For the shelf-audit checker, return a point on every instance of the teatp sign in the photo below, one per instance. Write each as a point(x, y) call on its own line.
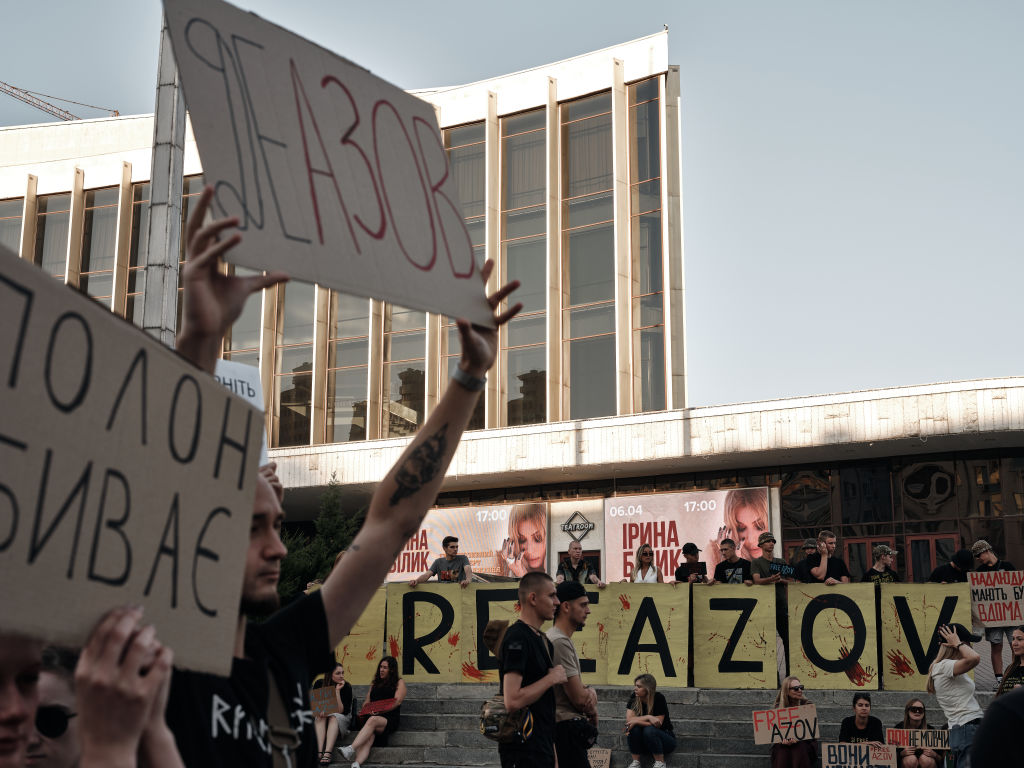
point(337, 177)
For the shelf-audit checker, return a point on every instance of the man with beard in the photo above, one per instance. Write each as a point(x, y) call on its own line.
point(260, 715)
point(575, 704)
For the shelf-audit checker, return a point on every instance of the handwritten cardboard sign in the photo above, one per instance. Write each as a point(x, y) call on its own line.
point(337, 177)
point(599, 757)
point(996, 597)
point(244, 381)
point(322, 700)
point(774, 726)
point(126, 476)
point(842, 755)
point(917, 739)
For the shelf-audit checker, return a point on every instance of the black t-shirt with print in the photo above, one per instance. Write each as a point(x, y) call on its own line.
point(851, 734)
point(888, 576)
point(733, 573)
point(660, 707)
point(528, 652)
point(223, 720)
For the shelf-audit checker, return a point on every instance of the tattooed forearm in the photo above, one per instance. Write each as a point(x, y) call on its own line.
point(421, 466)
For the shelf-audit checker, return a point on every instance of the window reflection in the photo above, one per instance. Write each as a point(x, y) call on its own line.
point(10, 224)
point(99, 243)
point(53, 218)
point(293, 368)
point(191, 187)
point(404, 373)
point(347, 357)
point(137, 253)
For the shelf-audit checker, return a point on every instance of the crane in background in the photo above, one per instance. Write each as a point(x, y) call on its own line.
point(30, 97)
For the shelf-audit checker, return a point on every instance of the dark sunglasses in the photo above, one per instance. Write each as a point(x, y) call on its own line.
point(796, 687)
point(916, 710)
point(52, 720)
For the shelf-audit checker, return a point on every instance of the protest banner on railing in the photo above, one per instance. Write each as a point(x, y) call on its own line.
point(734, 637)
point(834, 629)
point(842, 755)
point(361, 650)
point(337, 177)
point(775, 726)
point(126, 476)
point(648, 627)
point(931, 738)
point(996, 597)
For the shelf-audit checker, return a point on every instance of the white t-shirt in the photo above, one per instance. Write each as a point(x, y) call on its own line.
point(651, 577)
point(955, 693)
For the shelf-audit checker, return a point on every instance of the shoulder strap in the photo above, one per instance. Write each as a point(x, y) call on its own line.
point(283, 738)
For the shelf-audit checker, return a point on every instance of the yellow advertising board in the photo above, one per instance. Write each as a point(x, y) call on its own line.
point(832, 635)
point(647, 628)
point(734, 636)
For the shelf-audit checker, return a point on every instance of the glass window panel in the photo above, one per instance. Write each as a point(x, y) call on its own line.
point(477, 231)
point(523, 168)
point(645, 196)
point(590, 321)
point(10, 223)
point(806, 497)
point(646, 236)
point(652, 370)
point(465, 134)
point(106, 196)
point(526, 385)
point(405, 346)
point(297, 318)
point(645, 90)
point(295, 359)
point(52, 233)
point(587, 156)
point(527, 330)
point(249, 357)
point(346, 405)
point(592, 373)
point(345, 353)
point(651, 310)
point(525, 222)
point(476, 421)
point(526, 261)
point(140, 225)
point(293, 398)
point(351, 315)
point(133, 309)
point(583, 211)
point(245, 333)
point(401, 319)
point(403, 398)
point(527, 121)
point(99, 236)
point(467, 169)
point(99, 285)
point(591, 264)
point(645, 141)
point(589, 106)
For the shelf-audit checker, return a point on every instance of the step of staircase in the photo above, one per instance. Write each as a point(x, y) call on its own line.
point(440, 725)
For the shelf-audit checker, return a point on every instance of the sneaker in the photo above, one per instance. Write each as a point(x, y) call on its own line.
point(355, 765)
point(659, 764)
point(347, 752)
point(634, 764)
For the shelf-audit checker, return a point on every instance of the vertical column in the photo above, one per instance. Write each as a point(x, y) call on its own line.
point(374, 370)
point(160, 298)
point(495, 392)
point(620, 206)
point(672, 237)
point(122, 244)
point(29, 213)
point(554, 249)
point(76, 222)
point(268, 338)
point(434, 368)
point(321, 334)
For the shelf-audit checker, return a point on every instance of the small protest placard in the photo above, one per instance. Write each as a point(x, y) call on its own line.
point(996, 597)
point(599, 757)
point(917, 739)
point(785, 571)
point(842, 755)
point(126, 476)
point(244, 381)
point(323, 701)
point(337, 177)
point(774, 726)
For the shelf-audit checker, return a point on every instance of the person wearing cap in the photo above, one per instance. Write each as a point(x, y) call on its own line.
point(822, 567)
point(808, 548)
point(575, 703)
point(881, 572)
point(577, 568)
point(767, 569)
point(954, 689)
point(955, 571)
point(987, 561)
point(687, 570)
point(733, 569)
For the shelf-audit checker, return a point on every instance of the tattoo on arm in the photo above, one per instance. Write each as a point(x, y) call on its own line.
point(421, 466)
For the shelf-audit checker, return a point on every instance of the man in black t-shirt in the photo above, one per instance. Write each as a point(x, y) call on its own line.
point(987, 561)
point(881, 572)
point(228, 721)
point(733, 569)
point(528, 674)
point(955, 571)
point(822, 567)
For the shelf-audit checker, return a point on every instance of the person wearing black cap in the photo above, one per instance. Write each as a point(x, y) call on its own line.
point(688, 571)
point(575, 704)
point(955, 571)
point(954, 689)
point(881, 572)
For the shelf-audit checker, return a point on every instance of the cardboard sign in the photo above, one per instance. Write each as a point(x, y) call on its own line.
point(911, 615)
point(786, 571)
point(842, 755)
point(337, 177)
point(648, 628)
point(360, 651)
point(323, 700)
point(734, 637)
point(917, 739)
point(997, 597)
point(244, 381)
point(599, 757)
point(126, 476)
point(834, 630)
point(774, 726)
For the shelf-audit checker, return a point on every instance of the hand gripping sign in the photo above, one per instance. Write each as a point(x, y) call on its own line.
point(337, 177)
point(126, 476)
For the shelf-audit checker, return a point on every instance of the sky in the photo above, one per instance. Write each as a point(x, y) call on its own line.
point(853, 170)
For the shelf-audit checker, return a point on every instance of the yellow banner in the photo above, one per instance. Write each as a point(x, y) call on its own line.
point(832, 635)
point(734, 636)
point(647, 628)
point(483, 603)
point(425, 631)
point(911, 614)
point(360, 652)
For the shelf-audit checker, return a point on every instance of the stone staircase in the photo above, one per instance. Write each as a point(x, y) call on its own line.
point(440, 725)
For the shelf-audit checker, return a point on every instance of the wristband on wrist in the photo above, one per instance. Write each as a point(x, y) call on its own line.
point(961, 644)
point(472, 383)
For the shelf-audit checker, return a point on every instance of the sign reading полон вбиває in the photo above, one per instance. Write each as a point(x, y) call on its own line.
point(337, 177)
point(126, 476)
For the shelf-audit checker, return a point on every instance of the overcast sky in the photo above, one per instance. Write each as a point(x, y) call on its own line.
point(853, 173)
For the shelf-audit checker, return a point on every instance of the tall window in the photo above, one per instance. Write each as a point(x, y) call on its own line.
point(137, 253)
point(10, 223)
point(524, 255)
point(99, 241)
point(242, 343)
point(647, 310)
point(588, 253)
point(405, 374)
point(53, 219)
point(190, 188)
point(347, 374)
point(293, 366)
point(465, 145)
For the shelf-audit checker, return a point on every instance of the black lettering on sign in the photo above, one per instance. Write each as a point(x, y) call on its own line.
point(647, 613)
point(837, 602)
point(412, 646)
point(923, 658)
point(209, 554)
point(115, 525)
point(19, 345)
point(170, 527)
point(197, 421)
point(241, 447)
point(15, 514)
point(141, 365)
point(484, 597)
point(745, 606)
point(80, 491)
point(85, 344)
